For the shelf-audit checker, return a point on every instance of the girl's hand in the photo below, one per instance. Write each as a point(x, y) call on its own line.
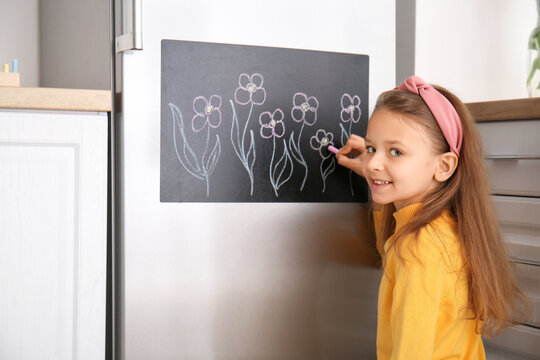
point(351, 155)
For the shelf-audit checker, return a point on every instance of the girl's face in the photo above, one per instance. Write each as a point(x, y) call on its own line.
point(400, 160)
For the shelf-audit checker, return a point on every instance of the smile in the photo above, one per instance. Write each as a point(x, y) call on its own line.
point(381, 182)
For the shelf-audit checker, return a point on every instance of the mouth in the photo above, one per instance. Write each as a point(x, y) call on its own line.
point(378, 183)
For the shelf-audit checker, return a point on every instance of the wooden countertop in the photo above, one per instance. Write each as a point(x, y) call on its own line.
point(54, 99)
point(515, 109)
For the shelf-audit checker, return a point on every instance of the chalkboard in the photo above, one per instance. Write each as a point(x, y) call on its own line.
point(252, 124)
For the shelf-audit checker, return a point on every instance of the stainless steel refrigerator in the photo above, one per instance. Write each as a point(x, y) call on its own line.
point(237, 280)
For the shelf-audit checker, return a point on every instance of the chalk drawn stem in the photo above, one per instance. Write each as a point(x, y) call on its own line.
point(245, 128)
point(303, 162)
point(272, 166)
point(239, 147)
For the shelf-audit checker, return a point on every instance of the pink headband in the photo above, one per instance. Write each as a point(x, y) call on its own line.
point(443, 111)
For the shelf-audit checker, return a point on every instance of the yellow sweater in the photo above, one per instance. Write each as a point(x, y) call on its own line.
point(422, 310)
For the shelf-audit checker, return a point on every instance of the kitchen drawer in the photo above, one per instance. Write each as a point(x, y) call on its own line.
point(521, 339)
point(514, 176)
point(517, 210)
point(510, 138)
point(519, 219)
point(528, 278)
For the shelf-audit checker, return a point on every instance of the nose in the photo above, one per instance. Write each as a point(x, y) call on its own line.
point(375, 162)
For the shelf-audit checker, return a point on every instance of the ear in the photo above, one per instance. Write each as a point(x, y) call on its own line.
point(446, 166)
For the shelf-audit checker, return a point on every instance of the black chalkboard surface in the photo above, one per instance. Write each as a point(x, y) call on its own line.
point(252, 124)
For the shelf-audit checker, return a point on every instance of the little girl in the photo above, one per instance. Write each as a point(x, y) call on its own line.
point(447, 279)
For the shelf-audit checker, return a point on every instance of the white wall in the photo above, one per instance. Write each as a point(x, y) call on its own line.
point(478, 49)
point(75, 45)
point(19, 32)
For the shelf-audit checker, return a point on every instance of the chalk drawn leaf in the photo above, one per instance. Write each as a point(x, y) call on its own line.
point(284, 167)
point(344, 135)
point(191, 159)
point(235, 131)
point(250, 157)
point(294, 150)
point(180, 141)
point(330, 167)
point(213, 157)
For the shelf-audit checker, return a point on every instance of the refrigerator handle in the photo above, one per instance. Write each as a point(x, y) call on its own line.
point(132, 21)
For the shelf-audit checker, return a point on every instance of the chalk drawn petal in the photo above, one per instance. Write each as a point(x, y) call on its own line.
point(266, 132)
point(346, 101)
point(313, 103)
point(278, 115)
point(242, 96)
point(310, 117)
point(257, 80)
point(355, 115)
point(297, 114)
point(345, 115)
point(320, 134)
point(324, 152)
point(299, 99)
point(265, 118)
point(259, 96)
point(330, 138)
point(356, 100)
point(243, 80)
point(314, 143)
point(198, 123)
point(199, 104)
point(279, 129)
point(215, 101)
point(214, 119)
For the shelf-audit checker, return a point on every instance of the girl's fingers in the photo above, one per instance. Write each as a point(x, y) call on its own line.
point(349, 155)
point(355, 164)
point(354, 146)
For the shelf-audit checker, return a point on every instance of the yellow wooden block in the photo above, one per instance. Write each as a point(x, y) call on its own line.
point(10, 79)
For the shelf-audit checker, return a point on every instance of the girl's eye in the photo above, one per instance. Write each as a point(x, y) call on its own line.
point(370, 149)
point(395, 152)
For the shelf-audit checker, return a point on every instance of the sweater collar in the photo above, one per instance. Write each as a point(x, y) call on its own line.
point(403, 215)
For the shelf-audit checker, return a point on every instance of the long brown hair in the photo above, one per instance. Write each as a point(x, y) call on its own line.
point(494, 297)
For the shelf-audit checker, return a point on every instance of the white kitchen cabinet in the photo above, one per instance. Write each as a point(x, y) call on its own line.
point(53, 234)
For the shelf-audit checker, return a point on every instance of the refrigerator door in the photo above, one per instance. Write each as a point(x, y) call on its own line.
point(242, 280)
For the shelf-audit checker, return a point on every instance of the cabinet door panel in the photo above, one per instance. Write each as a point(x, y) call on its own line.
point(52, 235)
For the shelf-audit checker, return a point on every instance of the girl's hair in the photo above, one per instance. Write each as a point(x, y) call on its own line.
point(494, 297)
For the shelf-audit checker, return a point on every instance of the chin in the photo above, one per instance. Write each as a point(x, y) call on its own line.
point(381, 201)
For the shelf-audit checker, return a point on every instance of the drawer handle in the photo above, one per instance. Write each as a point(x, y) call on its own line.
point(525, 262)
point(512, 157)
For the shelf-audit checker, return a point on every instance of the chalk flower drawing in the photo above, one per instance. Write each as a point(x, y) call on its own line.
point(304, 110)
point(350, 108)
point(272, 126)
point(250, 91)
point(350, 113)
point(320, 142)
point(206, 112)
point(204, 168)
